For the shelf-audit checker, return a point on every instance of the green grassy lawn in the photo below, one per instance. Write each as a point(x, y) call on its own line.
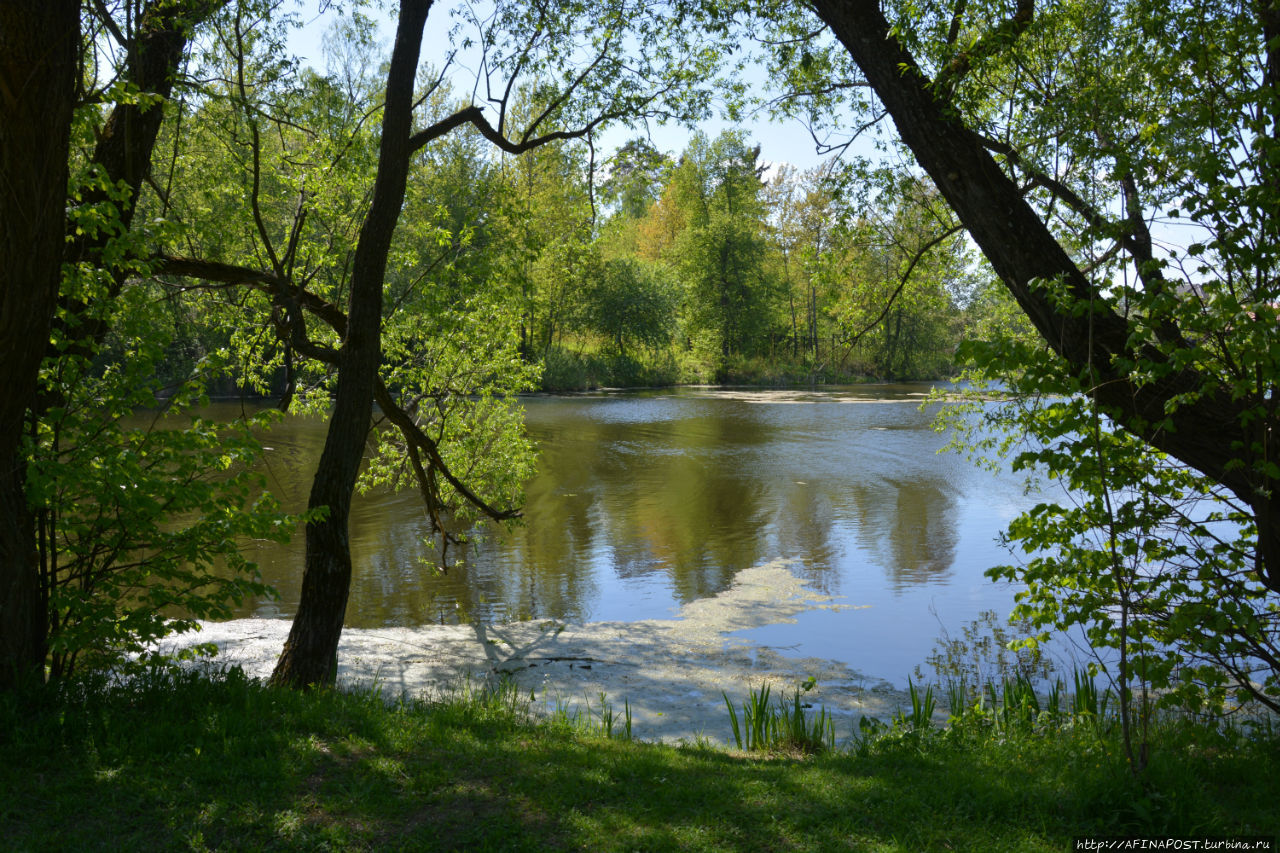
point(194, 764)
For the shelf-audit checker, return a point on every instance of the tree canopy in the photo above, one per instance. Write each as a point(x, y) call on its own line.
point(185, 205)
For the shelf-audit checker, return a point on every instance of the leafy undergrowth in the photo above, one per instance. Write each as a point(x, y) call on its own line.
point(185, 762)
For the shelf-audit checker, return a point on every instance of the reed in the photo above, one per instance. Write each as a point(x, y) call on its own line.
point(957, 697)
point(608, 719)
point(922, 707)
point(1087, 700)
point(781, 727)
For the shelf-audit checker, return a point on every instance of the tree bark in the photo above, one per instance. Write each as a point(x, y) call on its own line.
point(39, 77)
point(1187, 414)
point(310, 655)
point(127, 139)
point(39, 69)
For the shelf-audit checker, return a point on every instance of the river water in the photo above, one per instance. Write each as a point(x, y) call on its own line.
point(648, 500)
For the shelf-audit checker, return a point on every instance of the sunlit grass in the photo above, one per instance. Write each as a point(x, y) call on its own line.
point(188, 763)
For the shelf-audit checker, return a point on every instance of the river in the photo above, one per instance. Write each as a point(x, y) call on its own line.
point(646, 500)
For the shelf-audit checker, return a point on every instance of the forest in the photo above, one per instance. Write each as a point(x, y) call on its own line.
point(649, 267)
point(1075, 201)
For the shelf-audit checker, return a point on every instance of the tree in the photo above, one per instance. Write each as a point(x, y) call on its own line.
point(1188, 121)
point(901, 273)
point(315, 309)
point(548, 217)
point(788, 197)
point(720, 253)
point(636, 174)
point(39, 43)
point(324, 288)
point(1066, 136)
point(311, 651)
point(626, 300)
point(45, 92)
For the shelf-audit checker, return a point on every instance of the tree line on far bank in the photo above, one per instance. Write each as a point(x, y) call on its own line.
point(648, 268)
point(715, 265)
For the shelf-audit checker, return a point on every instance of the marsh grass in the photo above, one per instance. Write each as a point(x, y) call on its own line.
point(781, 727)
point(1013, 701)
point(602, 721)
point(175, 761)
point(922, 707)
point(607, 720)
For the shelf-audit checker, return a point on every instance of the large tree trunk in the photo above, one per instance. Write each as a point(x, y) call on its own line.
point(39, 68)
point(1184, 413)
point(310, 653)
point(39, 76)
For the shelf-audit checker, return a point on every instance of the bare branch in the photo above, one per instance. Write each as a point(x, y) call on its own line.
point(336, 319)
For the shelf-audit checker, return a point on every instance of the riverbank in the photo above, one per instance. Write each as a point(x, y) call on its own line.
point(225, 763)
point(671, 673)
point(586, 370)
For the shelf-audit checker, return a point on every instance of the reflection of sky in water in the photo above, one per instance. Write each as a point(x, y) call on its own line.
point(646, 500)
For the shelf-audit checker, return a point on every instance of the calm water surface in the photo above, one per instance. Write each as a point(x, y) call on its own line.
point(647, 500)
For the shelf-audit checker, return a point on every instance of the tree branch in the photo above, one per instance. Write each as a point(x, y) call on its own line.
point(337, 320)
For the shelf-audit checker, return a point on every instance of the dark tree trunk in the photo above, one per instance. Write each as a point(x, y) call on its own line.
point(1204, 425)
point(40, 43)
point(310, 655)
point(128, 137)
point(39, 69)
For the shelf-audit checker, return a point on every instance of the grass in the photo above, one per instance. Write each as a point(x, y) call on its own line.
point(182, 762)
point(781, 728)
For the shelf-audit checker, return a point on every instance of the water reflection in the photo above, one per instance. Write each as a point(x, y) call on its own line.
point(913, 527)
point(647, 500)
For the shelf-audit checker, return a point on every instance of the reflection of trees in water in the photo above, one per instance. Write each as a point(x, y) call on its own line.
point(806, 527)
point(923, 534)
point(910, 528)
point(691, 496)
point(653, 497)
point(673, 496)
point(645, 499)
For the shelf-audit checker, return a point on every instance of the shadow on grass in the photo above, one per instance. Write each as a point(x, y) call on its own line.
point(189, 764)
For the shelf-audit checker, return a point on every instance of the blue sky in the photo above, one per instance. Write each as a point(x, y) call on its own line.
point(780, 142)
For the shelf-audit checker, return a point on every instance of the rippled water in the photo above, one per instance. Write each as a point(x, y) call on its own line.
point(646, 500)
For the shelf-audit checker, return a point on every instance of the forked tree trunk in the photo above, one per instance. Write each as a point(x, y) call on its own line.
point(310, 655)
point(39, 51)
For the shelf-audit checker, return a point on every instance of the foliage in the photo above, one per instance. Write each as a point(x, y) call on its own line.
point(636, 173)
point(144, 506)
point(989, 648)
point(140, 507)
point(627, 301)
point(459, 369)
point(1153, 403)
point(546, 217)
point(901, 273)
point(1149, 557)
point(707, 260)
point(1070, 137)
point(729, 292)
